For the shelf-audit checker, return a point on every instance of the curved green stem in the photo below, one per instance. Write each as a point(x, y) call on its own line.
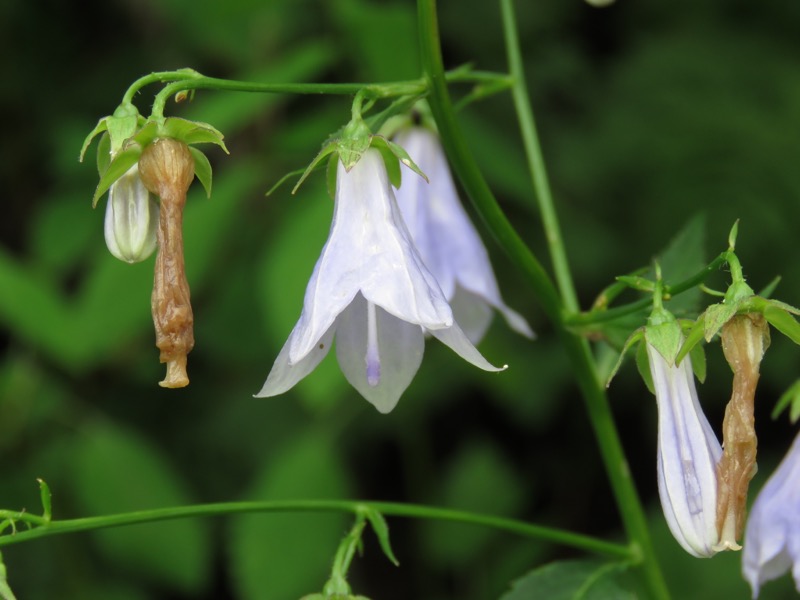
point(593, 391)
point(156, 77)
point(533, 152)
point(566, 538)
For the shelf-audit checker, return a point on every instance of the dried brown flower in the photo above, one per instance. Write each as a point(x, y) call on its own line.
point(167, 169)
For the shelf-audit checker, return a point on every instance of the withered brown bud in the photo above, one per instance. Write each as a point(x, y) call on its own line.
point(167, 169)
point(745, 338)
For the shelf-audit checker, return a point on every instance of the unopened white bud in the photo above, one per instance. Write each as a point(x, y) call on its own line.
point(131, 218)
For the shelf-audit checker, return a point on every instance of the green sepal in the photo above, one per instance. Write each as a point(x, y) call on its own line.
point(330, 175)
point(715, 317)
point(46, 496)
point(191, 132)
point(698, 356)
point(636, 336)
point(354, 142)
point(391, 161)
point(791, 398)
point(637, 283)
point(202, 169)
point(696, 333)
point(767, 290)
point(643, 366)
point(398, 153)
point(120, 127)
point(781, 320)
point(326, 150)
point(101, 127)
point(116, 169)
point(282, 180)
point(103, 154)
point(666, 338)
point(381, 530)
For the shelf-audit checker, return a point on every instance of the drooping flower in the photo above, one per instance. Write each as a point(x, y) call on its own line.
point(772, 536)
point(688, 452)
point(371, 290)
point(131, 218)
point(448, 241)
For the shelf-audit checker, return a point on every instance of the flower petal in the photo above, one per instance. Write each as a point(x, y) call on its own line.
point(688, 451)
point(400, 347)
point(460, 344)
point(772, 536)
point(368, 250)
point(285, 374)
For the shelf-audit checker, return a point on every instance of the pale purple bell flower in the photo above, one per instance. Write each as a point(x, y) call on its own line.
point(447, 240)
point(688, 453)
point(772, 535)
point(371, 291)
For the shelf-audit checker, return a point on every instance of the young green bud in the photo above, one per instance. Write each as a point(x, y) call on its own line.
point(131, 218)
point(167, 169)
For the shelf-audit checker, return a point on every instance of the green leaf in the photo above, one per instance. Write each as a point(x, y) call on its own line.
point(572, 580)
point(118, 167)
point(118, 471)
point(280, 556)
point(683, 257)
point(202, 169)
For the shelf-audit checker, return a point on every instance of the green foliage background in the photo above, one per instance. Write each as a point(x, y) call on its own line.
point(651, 115)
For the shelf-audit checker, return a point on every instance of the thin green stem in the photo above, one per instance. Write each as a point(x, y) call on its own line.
point(417, 511)
point(155, 78)
point(593, 317)
point(533, 152)
point(578, 350)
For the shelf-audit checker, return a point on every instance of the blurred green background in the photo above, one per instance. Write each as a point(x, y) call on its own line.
point(652, 116)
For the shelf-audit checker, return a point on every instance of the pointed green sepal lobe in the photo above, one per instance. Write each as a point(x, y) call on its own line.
point(643, 366)
point(698, 356)
point(695, 335)
point(191, 132)
point(330, 176)
point(101, 127)
point(381, 530)
point(715, 317)
point(116, 169)
point(636, 336)
point(47, 506)
point(781, 320)
point(326, 150)
point(284, 179)
point(790, 398)
point(103, 154)
point(202, 169)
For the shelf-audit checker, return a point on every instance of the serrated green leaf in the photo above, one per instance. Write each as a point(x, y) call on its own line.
point(783, 322)
point(117, 471)
point(572, 580)
point(118, 167)
point(202, 169)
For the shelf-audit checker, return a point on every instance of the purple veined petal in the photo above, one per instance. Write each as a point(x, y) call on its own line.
point(443, 232)
point(368, 250)
point(458, 342)
point(285, 374)
point(772, 535)
point(688, 452)
point(400, 347)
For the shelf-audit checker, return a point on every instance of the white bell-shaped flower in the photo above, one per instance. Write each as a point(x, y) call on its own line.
point(371, 290)
point(447, 240)
point(772, 536)
point(131, 218)
point(688, 453)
